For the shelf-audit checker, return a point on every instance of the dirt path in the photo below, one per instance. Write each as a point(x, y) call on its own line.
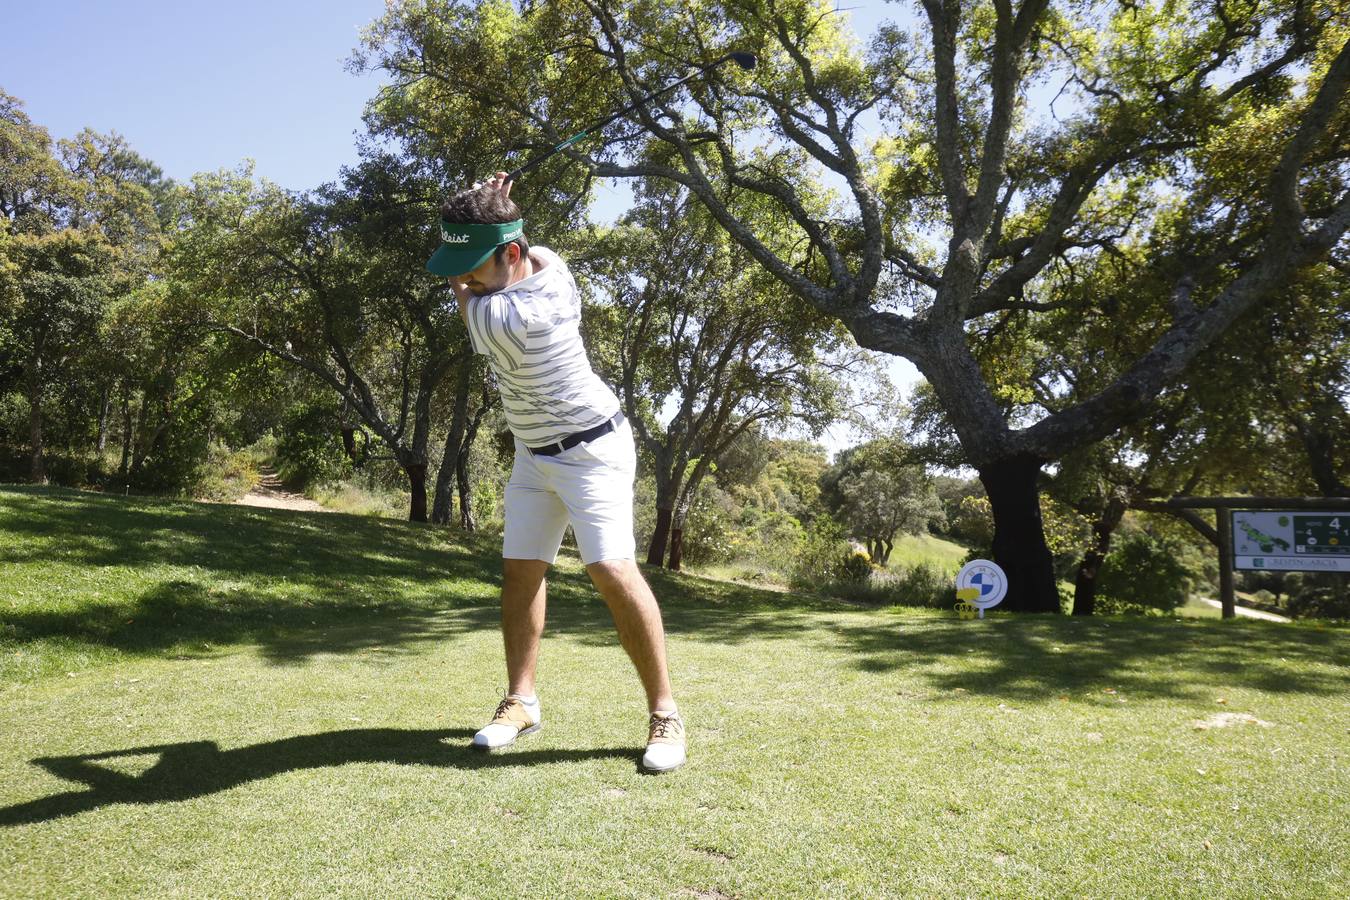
point(270, 493)
point(1247, 612)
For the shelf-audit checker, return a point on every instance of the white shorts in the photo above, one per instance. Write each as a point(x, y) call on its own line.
point(589, 485)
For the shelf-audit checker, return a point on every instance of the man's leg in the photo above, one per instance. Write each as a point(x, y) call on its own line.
point(523, 602)
point(522, 625)
point(638, 619)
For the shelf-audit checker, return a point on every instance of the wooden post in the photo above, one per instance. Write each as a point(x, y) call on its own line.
point(1224, 519)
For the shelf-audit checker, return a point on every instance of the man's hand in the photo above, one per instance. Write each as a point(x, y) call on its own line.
point(498, 182)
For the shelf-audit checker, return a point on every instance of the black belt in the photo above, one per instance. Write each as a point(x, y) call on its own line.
point(572, 440)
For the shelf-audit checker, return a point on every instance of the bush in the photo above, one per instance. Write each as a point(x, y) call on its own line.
point(1318, 595)
point(818, 553)
point(1142, 573)
point(920, 585)
point(855, 566)
point(709, 525)
point(227, 474)
point(309, 449)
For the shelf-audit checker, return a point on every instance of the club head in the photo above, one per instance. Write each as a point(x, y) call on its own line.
point(746, 61)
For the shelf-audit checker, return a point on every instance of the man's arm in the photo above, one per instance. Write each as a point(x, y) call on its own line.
point(498, 182)
point(462, 296)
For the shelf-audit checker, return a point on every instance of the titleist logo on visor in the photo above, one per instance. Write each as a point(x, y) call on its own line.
point(454, 238)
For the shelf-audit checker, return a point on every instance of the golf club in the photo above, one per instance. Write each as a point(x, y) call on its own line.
point(746, 61)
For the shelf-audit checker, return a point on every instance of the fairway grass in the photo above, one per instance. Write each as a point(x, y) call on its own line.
point(208, 700)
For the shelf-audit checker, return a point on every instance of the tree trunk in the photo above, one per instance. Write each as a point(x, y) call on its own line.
point(656, 550)
point(37, 472)
point(445, 478)
point(1085, 585)
point(466, 519)
point(417, 480)
point(139, 447)
point(104, 406)
point(676, 548)
point(1019, 535)
point(886, 548)
point(127, 431)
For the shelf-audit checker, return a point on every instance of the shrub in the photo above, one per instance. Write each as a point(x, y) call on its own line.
point(920, 585)
point(855, 566)
point(1142, 573)
point(309, 450)
point(1319, 595)
point(818, 553)
point(227, 474)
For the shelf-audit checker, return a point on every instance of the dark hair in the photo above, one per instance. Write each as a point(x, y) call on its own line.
point(482, 206)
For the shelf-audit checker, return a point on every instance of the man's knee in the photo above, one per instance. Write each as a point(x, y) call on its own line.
point(615, 577)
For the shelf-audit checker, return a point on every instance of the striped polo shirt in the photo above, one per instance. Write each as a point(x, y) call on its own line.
point(529, 333)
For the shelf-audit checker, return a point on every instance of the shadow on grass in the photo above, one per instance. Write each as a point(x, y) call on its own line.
point(191, 619)
point(284, 546)
point(198, 768)
point(296, 584)
point(1038, 657)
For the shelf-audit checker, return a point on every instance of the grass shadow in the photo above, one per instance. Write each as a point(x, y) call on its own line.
point(1031, 657)
point(193, 769)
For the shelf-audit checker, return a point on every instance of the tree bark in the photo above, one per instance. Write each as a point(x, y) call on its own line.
point(466, 520)
point(1085, 585)
point(445, 478)
point(128, 430)
point(656, 550)
point(104, 406)
point(417, 481)
point(1019, 534)
point(676, 548)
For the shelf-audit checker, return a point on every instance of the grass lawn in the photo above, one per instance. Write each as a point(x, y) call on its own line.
point(225, 701)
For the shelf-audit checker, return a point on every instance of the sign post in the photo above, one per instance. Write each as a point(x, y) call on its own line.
point(1226, 597)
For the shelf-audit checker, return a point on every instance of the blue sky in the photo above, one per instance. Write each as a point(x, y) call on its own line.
point(197, 86)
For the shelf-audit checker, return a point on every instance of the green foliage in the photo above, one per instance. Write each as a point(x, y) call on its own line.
point(709, 526)
point(1142, 573)
point(1066, 532)
point(819, 553)
point(856, 566)
point(227, 474)
point(877, 491)
point(309, 449)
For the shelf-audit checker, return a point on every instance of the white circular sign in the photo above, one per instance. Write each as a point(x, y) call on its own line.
point(987, 578)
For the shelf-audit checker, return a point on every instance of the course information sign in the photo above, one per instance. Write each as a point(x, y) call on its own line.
point(1291, 541)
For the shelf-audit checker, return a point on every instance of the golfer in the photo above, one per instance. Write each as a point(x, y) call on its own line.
point(574, 457)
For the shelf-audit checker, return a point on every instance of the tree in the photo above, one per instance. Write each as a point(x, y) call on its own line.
point(877, 491)
point(711, 345)
point(84, 230)
point(1166, 99)
point(333, 283)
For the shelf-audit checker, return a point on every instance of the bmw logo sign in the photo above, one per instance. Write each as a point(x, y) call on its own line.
point(985, 577)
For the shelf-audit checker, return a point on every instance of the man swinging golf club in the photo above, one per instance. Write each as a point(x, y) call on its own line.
point(574, 458)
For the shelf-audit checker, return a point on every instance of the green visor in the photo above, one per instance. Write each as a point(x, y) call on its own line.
point(465, 247)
